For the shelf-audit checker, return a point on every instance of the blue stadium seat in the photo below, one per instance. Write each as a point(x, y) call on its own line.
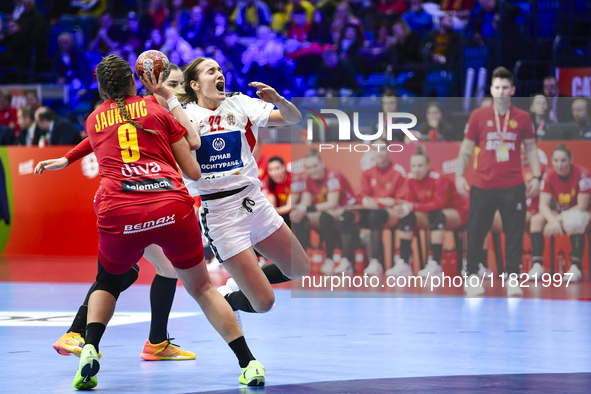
point(441, 81)
point(475, 57)
point(93, 59)
point(547, 14)
point(368, 103)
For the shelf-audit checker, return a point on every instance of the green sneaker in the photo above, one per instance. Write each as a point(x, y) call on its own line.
point(87, 369)
point(253, 374)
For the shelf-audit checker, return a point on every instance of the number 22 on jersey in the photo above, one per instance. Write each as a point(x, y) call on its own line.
point(130, 150)
point(212, 123)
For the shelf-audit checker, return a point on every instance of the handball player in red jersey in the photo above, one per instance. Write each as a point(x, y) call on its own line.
point(570, 185)
point(324, 200)
point(498, 131)
point(431, 201)
point(152, 207)
point(158, 346)
point(276, 187)
point(381, 186)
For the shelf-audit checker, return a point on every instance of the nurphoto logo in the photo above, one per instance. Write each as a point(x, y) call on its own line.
point(389, 122)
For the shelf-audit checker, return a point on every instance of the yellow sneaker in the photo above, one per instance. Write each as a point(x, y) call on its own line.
point(253, 374)
point(165, 351)
point(88, 367)
point(70, 343)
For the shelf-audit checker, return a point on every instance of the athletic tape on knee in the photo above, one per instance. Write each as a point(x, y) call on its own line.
point(437, 220)
point(574, 221)
point(377, 219)
point(408, 222)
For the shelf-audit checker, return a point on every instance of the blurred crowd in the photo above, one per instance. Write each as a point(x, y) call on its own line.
point(298, 46)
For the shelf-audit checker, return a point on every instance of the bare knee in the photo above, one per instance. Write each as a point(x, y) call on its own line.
point(196, 293)
point(406, 235)
point(537, 223)
point(167, 272)
point(264, 304)
point(300, 266)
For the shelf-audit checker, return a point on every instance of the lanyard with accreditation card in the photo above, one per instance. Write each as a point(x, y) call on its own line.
point(502, 151)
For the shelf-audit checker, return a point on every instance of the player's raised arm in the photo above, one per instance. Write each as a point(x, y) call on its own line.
point(174, 106)
point(287, 113)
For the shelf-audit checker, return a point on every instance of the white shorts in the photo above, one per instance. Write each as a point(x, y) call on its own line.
point(229, 226)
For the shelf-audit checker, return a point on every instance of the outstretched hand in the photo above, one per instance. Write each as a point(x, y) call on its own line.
point(157, 86)
point(51, 164)
point(266, 93)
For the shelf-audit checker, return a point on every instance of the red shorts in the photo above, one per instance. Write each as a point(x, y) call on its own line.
point(171, 225)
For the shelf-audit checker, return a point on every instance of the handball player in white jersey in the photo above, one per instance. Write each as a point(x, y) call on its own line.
point(235, 215)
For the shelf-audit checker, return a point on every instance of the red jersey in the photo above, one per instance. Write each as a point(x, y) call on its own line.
point(298, 183)
point(333, 181)
point(566, 192)
point(137, 167)
point(84, 148)
point(262, 163)
point(493, 172)
point(279, 190)
point(434, 193)
point(456, 5)
point(9, 116)
point(299, 33)
point(382, 183)
point(394, 6)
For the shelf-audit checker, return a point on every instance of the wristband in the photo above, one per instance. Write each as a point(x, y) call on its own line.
point(311, 208)
point(539, 178)
point(173, 103)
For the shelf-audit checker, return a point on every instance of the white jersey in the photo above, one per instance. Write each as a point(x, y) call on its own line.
point(228, 136)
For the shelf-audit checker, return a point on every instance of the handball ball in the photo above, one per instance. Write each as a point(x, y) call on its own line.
point(152, 63)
